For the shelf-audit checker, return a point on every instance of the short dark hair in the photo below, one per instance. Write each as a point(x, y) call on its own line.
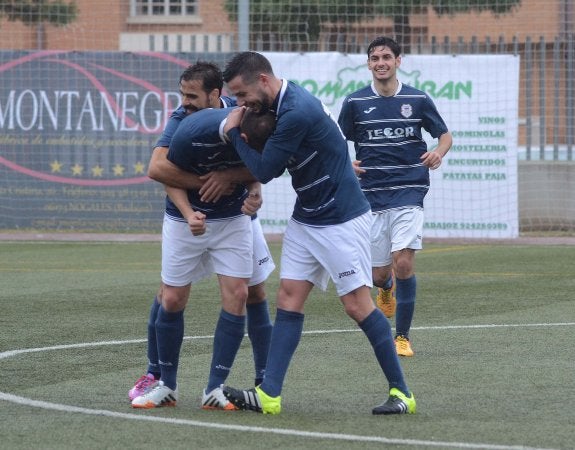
point(258, 127)
point(248, 65)
point(208, 73)
point(384, 41)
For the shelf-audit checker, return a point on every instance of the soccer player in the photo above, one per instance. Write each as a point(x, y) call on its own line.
point(199, 238)
point(327, 235)
point(385, 121)
point(200, 86)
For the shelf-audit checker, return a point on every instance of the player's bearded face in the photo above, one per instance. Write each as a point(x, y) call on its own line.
point(191, 109)
point(259, 100)
point(194, 98)
point(251, 95)
point(263, 102)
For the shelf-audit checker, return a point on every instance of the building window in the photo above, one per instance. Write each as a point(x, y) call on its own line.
point(164, 8)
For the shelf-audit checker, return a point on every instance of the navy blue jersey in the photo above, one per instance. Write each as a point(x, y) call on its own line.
point(309, 144)
point(199, 146)
point(178, 115)
point(387, 134)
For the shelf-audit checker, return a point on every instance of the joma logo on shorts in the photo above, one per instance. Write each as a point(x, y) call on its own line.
point(263, 261)
point(347, 273)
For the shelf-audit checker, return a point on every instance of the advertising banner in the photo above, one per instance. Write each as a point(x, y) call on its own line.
point(76, 133)
point(77, 130)
point(474, 192)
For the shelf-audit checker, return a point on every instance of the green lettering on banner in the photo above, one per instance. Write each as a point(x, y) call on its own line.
point(274, 222)
point(486, 134)
point(478, 148)
point(465, 226)
point(462, 176)
point(492, 120)
point(450, 90)
point(495, 176)
point(476, 162)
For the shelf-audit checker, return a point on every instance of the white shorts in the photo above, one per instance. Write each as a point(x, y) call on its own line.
point(226, 248)
point(263, 263)
point(338, 251)
point(394, 230)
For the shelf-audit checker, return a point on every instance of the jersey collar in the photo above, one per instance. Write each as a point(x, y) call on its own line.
point(223, 135)
point(399, 86)
point(278, 100)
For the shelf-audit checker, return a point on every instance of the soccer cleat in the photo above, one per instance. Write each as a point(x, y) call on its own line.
point(397, 403)
point(403, 346)
point(217, 400)
point(253, 399)
point(386, 300)
point(160, 395)
point(143, 385)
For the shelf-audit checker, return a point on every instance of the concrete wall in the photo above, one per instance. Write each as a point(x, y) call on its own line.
point(546, 195)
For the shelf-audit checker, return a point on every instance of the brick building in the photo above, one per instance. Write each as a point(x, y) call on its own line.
point(203, 25)
point(540, 31)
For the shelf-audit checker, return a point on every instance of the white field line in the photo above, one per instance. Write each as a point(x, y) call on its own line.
point(10, 353)
point(278, 431)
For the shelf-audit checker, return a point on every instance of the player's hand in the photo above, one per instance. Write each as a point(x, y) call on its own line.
point(216, 184)
point(356, 168)
point(234, 118)
point(431, 160)
point(252, 203)
point(197, 223)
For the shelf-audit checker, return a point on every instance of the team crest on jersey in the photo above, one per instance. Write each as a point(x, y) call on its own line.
point(406, 111)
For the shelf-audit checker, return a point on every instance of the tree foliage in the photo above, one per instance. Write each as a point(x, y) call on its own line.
point(33, 12)
point(300, 21)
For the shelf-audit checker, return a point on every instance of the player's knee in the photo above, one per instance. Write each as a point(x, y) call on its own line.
point(355, 311)
point(380, 276)
point(404, 263)
point(403, 269)
point(173, 301)
point(380, 281)
point(358, 304)
point(256, 294)
point(239, 292)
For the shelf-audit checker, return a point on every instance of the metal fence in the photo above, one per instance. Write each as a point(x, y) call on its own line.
point(547, 77)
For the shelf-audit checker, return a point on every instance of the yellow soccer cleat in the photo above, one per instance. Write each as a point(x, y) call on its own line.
point(254, 399)
point(403, 346)
point(386, 300)
point(397, 403)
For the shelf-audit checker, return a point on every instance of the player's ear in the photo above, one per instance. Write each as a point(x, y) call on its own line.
point(214, 97)
point(244, 136)
point(264, 78)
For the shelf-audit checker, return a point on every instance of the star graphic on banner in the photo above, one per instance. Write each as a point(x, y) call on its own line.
point(118, 170)
point(56, 166)
point(77, 169)
point(139, 167)
point(97, 171)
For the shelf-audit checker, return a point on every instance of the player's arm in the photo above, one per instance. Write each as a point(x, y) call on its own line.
point(433, 158)
point(211, 186)
point(356, 164)
point(164, 171)
point(253, 201)
point(346, 122)
point(196, 220)
point(223, 182)
point(272, 160)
